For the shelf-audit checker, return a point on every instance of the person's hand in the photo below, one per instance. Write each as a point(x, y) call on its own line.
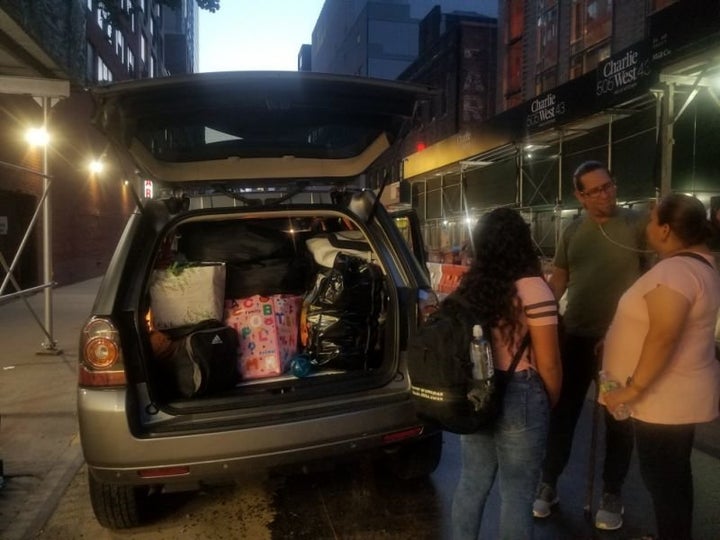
point(620, 396)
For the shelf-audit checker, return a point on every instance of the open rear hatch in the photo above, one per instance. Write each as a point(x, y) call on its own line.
point(255, 125)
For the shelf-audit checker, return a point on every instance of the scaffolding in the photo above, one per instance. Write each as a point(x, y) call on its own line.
point(46, 92)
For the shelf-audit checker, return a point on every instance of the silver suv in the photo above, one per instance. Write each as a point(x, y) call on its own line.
point(249, 172)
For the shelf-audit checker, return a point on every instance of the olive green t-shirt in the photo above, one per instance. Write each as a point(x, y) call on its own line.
point(599, 270)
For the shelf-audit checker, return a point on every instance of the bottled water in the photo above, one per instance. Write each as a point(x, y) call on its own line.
point(607, 383)
point(481, 355)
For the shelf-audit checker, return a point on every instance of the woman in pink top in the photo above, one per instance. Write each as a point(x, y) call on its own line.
point(662, 342)
point(505, 286)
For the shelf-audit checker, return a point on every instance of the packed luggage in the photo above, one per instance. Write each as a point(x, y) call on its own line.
point(269, 296)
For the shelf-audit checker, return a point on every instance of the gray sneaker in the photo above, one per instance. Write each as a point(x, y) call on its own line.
point(609, 515)
point(545, 500)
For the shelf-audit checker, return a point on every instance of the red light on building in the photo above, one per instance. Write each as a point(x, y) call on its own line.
point(419, 147)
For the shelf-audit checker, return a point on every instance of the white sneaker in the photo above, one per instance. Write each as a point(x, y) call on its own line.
point(546, 499)
point(609, 516)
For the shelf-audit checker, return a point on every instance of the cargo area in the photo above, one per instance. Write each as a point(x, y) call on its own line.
point(249, 309)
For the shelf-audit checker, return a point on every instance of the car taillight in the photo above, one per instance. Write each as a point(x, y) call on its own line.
point(101, 362)
point(427, 303)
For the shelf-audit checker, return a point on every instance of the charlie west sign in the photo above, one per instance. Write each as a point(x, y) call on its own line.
point(623, 72)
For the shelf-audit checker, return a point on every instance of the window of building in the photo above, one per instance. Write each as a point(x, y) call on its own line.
point(151, 71)
point(576, 21)
point(108, 28)
point(103, 72)
point(588, 60)
point(152, 26)
point(143, 47)
point(89, 5)
point(598, 21)
point(392, 38)
point(547, 38)
point(131, 62)
point(516, 19)
point(590, 24)
point(547, 80)
point(120, 45)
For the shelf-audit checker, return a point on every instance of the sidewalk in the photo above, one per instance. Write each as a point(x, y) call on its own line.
point(39, 442)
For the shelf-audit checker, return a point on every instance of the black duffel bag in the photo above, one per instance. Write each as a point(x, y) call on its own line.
point(269, 276)
point(202, 359)
point(232, 242)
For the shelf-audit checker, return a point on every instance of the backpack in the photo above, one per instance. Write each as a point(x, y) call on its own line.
point(441, 371)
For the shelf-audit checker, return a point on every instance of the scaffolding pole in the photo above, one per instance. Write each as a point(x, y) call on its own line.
point(46, 92)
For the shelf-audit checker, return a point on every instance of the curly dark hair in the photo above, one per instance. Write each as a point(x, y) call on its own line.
point(504, 253)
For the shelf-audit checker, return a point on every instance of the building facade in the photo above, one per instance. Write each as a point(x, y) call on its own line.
point(377, 39)
point(457, 55)
point(139, 39)
point(81, 42)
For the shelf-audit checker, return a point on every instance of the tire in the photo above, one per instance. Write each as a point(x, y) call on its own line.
point(416, 459)
point(117, 506)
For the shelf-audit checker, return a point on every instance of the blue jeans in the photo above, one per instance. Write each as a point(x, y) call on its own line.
point(512, 450)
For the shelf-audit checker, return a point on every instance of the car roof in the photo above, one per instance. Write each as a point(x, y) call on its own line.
point(254, 125)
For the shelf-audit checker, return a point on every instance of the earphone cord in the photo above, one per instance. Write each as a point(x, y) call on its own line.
point(623, 246)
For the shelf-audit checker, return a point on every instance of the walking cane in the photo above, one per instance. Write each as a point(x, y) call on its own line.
point(590, 484)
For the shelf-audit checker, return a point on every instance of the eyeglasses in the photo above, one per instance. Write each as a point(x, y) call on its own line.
point(607, 187)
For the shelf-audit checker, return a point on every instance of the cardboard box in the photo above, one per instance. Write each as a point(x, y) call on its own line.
point(267, 328)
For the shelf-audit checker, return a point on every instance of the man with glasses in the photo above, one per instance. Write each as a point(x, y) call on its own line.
point(597, 258)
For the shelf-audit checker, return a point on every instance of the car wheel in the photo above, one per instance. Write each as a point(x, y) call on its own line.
point(117, 506)
point(415, 459)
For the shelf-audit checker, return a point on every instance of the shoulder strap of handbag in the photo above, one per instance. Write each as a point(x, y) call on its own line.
point(693, 255)
point(521, 349)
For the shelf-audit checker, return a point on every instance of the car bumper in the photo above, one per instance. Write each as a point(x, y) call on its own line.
point(115, 455)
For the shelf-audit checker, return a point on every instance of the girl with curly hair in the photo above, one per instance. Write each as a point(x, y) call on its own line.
point(505, 285)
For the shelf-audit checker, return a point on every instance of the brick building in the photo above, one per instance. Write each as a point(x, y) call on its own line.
point(81, 42)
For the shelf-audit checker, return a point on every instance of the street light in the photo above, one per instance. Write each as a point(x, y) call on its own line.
point(37, 137)
point(96, 166)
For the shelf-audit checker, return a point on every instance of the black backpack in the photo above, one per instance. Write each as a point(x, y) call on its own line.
point(441, 371)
